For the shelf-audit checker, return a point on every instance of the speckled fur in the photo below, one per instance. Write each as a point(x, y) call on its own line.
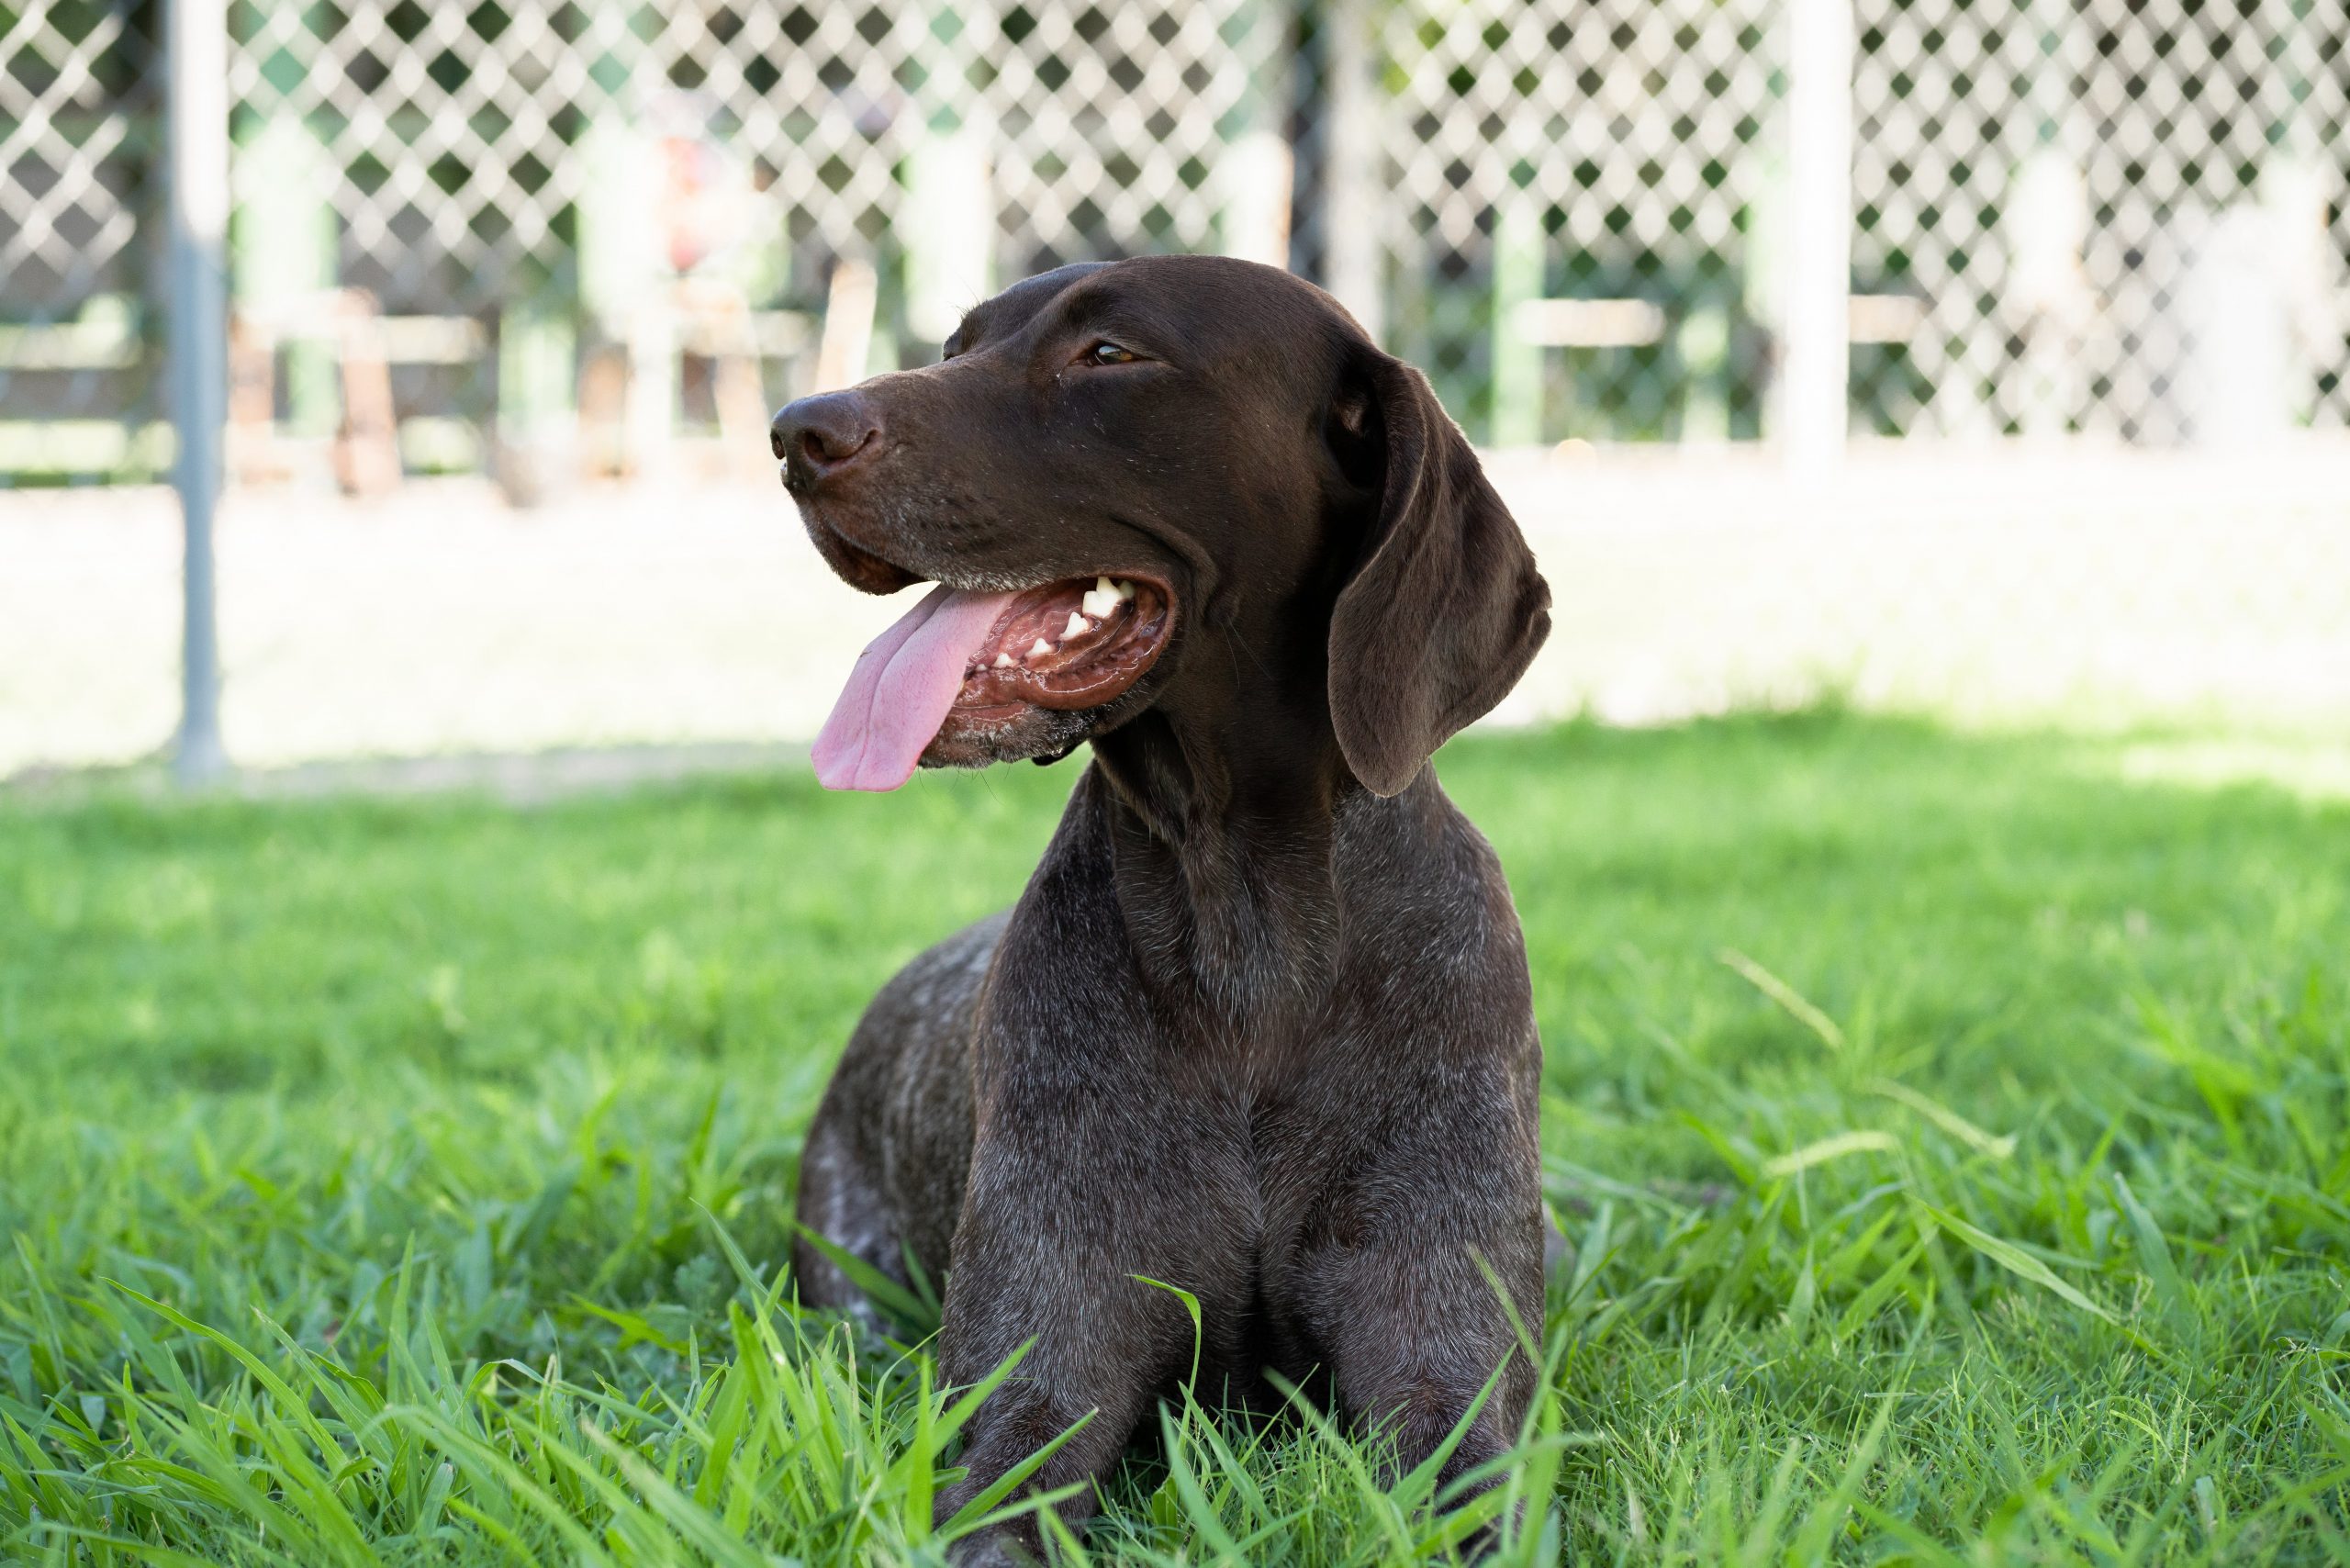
point(1260, 1026)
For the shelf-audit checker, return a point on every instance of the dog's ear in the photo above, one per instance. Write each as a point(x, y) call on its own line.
point(1444, 610)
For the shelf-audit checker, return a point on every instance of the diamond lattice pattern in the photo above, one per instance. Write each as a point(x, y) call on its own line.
point(78, 102)
point(2075, 203)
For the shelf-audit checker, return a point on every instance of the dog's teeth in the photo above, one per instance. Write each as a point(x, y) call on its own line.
point(1040, 649)
point(1076, 627)
point(1004, 661)
point(1101, 600)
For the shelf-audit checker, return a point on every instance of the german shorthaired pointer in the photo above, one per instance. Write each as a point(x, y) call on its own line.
point(1260, 1026)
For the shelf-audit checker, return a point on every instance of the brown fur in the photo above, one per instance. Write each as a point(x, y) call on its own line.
point(1260, 1026)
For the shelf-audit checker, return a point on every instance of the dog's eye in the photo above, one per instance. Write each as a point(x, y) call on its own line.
point(1107, 353)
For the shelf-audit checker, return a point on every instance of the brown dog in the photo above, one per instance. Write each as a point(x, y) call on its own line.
point(1260, 1026)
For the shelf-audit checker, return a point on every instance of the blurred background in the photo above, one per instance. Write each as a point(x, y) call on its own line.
point(1986, 357)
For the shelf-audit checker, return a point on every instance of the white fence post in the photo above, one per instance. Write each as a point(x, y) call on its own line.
point(1816, 360)
point(950, 228)
point(1351, 196)
point(197, 43)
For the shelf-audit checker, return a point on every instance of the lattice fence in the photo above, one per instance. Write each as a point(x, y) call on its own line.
point(453, 138)
point(78, 114)
point(2069, 215)
point(1606, 152)
point(2095, 204)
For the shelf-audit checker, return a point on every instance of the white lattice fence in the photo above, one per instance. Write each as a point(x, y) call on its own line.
point(2096, 205)
point(1113, 121)
point(78, 120)
point(1613, 149)
point(457, 145)
point(2069, 215)
point(2099, 215)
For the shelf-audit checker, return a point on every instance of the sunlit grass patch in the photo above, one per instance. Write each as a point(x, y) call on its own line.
point(1955, 1137)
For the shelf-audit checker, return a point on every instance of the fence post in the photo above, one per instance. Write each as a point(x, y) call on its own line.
point(1518, 281)
point(1816, 357)
point(196, 41)
point(1351, 199)
point(949, 229)
point(283, 253)
point(1256, 173)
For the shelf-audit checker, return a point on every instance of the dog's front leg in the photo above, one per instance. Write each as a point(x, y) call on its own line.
point(1420, 1330)
point(1083, 1186)
point(1425, 1265)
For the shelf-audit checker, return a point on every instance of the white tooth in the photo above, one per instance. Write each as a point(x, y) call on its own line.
point(1124, 590)
point(1003, 661)
point(1101, 601)
point(1040, 649)
point(1078, 626)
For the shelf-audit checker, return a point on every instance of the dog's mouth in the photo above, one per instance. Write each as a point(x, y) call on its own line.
point(970, 658)
point(1076, 644)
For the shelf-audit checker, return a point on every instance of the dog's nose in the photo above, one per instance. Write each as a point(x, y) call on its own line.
point(817, 437)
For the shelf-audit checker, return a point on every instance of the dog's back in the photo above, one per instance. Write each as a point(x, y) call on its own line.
point(883, 1170)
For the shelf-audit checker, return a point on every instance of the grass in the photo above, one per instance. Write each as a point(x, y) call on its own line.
point(1955, 1138)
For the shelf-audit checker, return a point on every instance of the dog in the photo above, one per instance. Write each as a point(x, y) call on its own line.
point(1260, 1026)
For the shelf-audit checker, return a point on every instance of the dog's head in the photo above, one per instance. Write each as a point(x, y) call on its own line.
point(1186, 483)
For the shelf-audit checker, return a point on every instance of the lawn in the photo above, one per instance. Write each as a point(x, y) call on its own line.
point(1954, 1136)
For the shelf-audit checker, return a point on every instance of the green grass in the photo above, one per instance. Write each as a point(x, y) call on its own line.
point(1955, 1138)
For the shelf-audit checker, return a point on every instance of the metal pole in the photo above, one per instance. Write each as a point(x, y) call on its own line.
point(1817, 364)
point(197, 42)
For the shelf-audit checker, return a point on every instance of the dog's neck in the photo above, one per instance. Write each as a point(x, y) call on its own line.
point(1223, 848)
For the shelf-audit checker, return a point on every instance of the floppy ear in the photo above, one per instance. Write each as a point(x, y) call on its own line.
point(1445, 610)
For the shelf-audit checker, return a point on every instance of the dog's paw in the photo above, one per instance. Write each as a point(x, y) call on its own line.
point(992, 1550)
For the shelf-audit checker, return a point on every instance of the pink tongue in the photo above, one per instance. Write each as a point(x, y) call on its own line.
point(900, 689)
